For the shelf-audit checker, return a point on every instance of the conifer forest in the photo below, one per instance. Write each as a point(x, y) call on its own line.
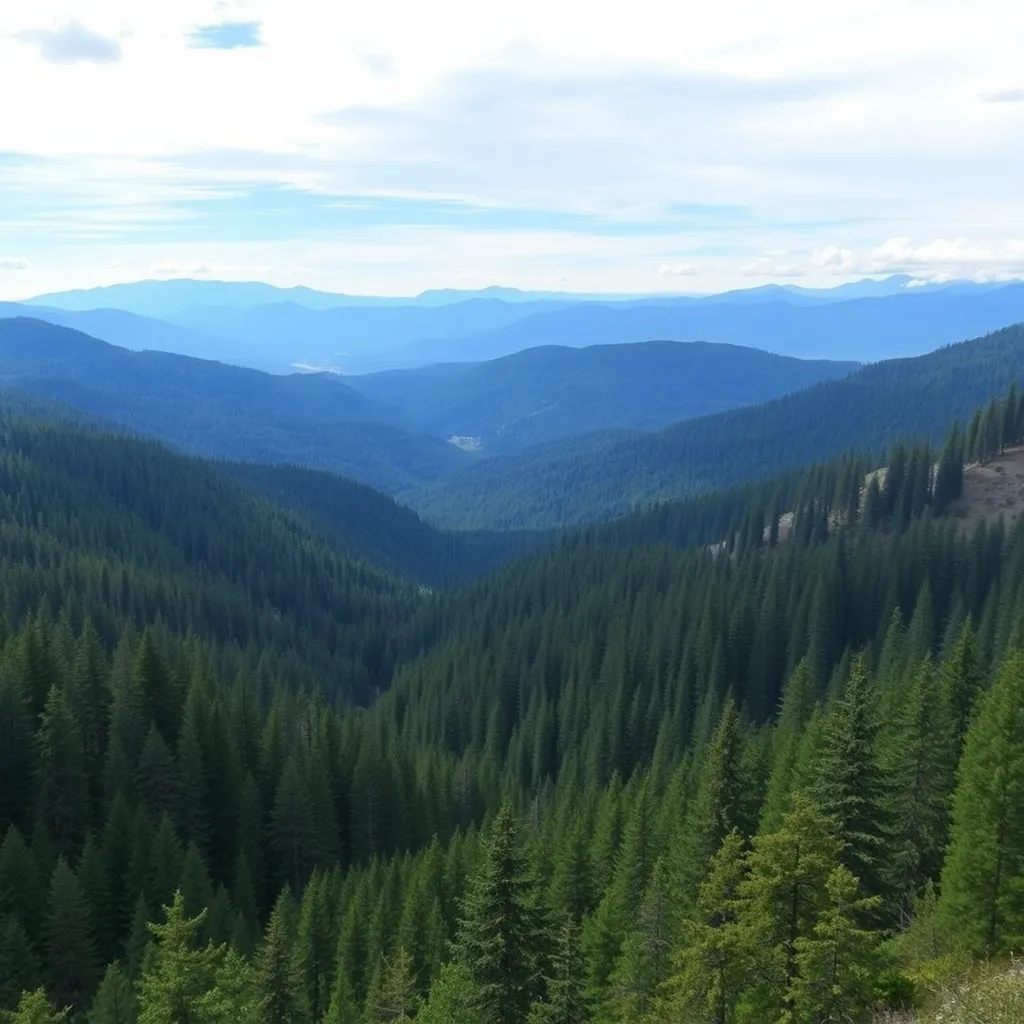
point(754, 756)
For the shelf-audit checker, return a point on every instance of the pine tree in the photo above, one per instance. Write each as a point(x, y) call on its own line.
point(919, 759)
point(501, 943)
point(645, 961)
point(179, 981)
point(711, 964)
point(64, 799)
point(115, 1001)
point(36, 1008)
point(19, 968)
point(451, 999)
point(71, 962)
point(836, 964)
point(850, 786)
point(982, 899)
point(17, 747)
point(22, 891)
point(279, 983)
point(394, 1000)
point(722, 803)
point(782, 898)
point(567, 1001)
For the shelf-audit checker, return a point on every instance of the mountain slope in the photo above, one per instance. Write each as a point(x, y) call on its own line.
point(594, 477)
point(221, 411)
point(139, 536)
point(546, 393)
point(369, 525)
point(138, 333)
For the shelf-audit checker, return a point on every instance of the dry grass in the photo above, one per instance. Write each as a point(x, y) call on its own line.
point(993, 490)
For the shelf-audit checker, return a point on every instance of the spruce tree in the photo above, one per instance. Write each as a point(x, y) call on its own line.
point(850, 786)
point(179, 981)
point(64, 798)
point(115, 1001)
point(982, 898)
point(781, 900)
point(710, 967)
point(566, 1001)
point(836, 965)
point(71, 962)
point(502, 936)
point(35, 1007)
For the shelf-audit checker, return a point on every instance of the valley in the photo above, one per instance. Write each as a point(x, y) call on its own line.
point(267, 729)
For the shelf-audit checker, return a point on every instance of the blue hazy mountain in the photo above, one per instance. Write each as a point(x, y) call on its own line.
point(545, 393)
point(353, 338)
point(257, 325)
point(222, 411)
point(908, 323)
point(138, 333)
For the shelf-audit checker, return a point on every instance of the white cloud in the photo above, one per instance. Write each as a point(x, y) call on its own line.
point(566, 109)
point(677, 270)
point(72, 43)
point(834, 259)
point(900, 252)
point(13, 263)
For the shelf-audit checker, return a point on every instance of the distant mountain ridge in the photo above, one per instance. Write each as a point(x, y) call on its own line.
point(394, 433)
point(257, 325)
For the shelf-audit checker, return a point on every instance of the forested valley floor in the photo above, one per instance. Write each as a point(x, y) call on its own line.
point(683, 767)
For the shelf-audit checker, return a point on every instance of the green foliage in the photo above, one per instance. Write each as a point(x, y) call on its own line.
point(982, 894)
point(501, 942)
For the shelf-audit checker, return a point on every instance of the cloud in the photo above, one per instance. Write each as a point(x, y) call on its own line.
point(900, 252)
point(13, 263)
point(834, 259)
point(226, 35)
point(1004, 96)
point(73, 43)
point(677, 270)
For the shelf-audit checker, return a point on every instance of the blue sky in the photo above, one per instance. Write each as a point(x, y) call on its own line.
point(547, 145)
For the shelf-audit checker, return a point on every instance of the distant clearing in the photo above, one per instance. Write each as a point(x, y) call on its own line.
point(992, 490)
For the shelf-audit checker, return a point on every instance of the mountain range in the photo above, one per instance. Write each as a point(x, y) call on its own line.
point(281, 330)
point(394, 432)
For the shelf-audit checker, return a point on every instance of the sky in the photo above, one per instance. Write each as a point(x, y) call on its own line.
point(390, 147)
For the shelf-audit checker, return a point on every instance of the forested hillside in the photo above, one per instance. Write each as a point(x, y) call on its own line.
point(678, 768)
point(129, 536)
point(220, 411)
point(372, 526)
point(585, 478)
point(551, 392)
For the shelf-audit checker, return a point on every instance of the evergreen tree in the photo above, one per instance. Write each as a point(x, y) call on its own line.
point(35, 1008)
point(178, 984)
point(502, 936)
point(836, 967)
point(63, 785)
point(782, 897)
point(850, 786)
point(567, 1001)
point(115, 1001)
point(451, 999)
point(712, 961)
point(394, 1000)
point(982, 899)
point(71, 962)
